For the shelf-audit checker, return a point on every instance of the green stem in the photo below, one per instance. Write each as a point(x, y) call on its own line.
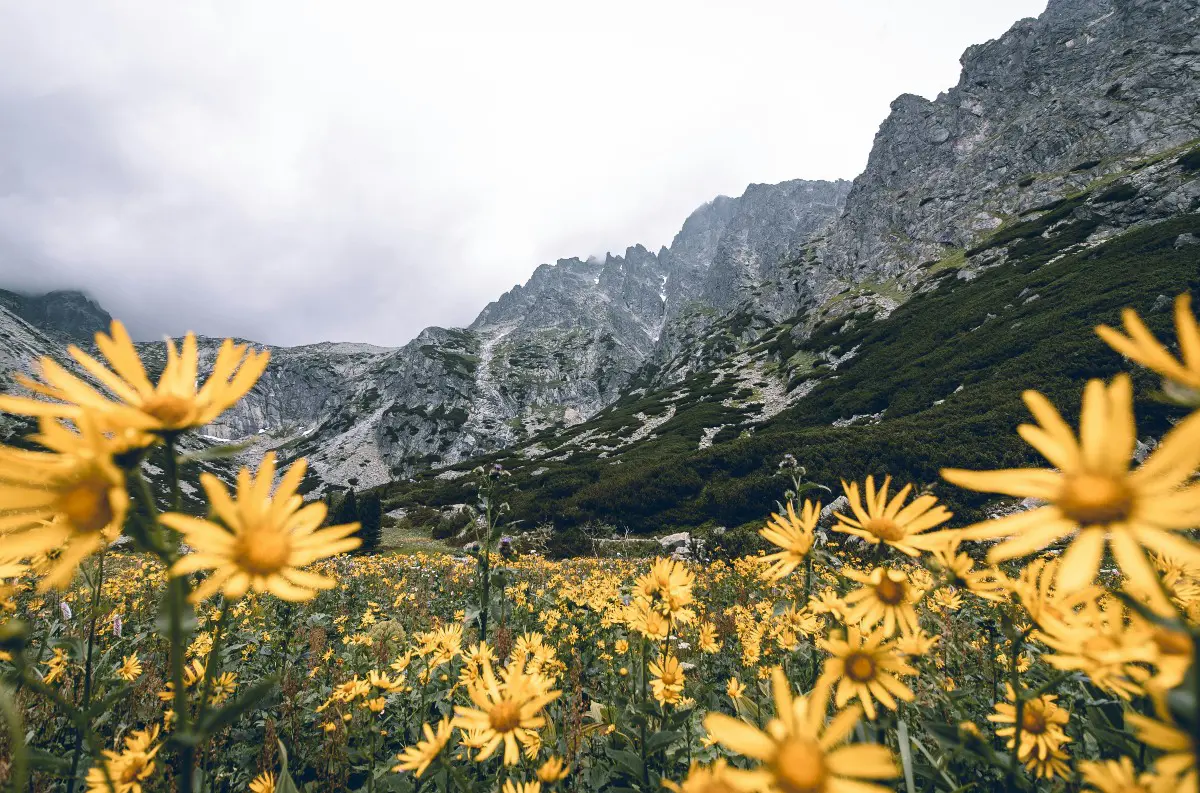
point(18, 774)
point(94, 611)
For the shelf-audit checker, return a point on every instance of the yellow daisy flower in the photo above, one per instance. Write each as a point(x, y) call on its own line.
point(1178, 759)
point(886, 596)
point(794, 535)
point(417, 758)
point(130, 669)
point(1093, 496)
point(798, 751)
point(1181, 377)
point(265, 539)
point(173, 405)
point(553, 770)
point(720, 777)
point(865, 668)
point(521, 787)
point(128, 768)
point(505, 712)
point(879, 520)
point(1119, 776)
point(667, 680)
point(1042, 722)
point(263, 783)
point(707, 641)
point(71, 498)
point(667, 587)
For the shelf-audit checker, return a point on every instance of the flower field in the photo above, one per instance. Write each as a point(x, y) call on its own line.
point(882, 646)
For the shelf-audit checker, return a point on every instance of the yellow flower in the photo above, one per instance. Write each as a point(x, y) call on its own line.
point(263, 783)
point(886, 596)
point(799, 752)
point(958, 569)
point(376, 705)
point(734, 689)
point(1182, 377)
point(128, 768)
point(621, 646)
point(916, 644)
point(865, 667)
point(1042, 723)
point(553, 770)
point(707, 641)
point(667, 587)
point(71, 498)
point(1094, 496)
point(794, 535)
point(521, 787)
point(880, 520)
point(265, 540)
point(505, 712)
point(827, 602)
point(946, 599)
point(719, 777)
point(1102, 641)
point(417, 758)
point(56, 667)
point(1119, 776)
point(1054, 764)
point(667, 680)
point(1178, 759)
point(130, 669)
point(174, 404)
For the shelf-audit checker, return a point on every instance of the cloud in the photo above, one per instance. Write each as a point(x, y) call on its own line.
point(294, 172)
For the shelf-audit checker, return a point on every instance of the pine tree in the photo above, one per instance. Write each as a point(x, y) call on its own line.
point(370, 514)
point(347, 509)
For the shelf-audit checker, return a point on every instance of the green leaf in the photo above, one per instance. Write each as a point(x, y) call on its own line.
point(661, 740)
point(284, 783)
point(628, 761)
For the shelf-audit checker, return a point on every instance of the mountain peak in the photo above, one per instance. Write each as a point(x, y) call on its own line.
point(68, 313)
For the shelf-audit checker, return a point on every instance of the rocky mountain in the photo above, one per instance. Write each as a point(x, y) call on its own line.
point(1082, 94)
point(65, 315)
point(1069, 130)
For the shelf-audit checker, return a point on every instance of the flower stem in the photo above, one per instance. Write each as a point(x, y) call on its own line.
point(87, 669)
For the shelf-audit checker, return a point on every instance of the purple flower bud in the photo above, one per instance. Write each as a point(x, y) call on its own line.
point(66, 610)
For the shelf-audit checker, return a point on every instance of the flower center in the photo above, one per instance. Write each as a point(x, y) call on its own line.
point(860, 667)
point(86, 506)
point(264, 552)
point(171, 409)
point(1095, 499)
point(505, 716)
point(1033, 720)
point(889, 591)
point(885, 529)
point(800, 767)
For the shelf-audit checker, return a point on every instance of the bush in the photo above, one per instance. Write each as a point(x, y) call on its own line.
point(451, 525)
point(567, 542)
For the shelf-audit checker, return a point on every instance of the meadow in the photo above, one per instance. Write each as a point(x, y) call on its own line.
point(883, 647)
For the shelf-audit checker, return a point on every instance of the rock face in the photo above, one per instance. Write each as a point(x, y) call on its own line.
point(1056, 103)
point(1088, 113)
point(68, 315)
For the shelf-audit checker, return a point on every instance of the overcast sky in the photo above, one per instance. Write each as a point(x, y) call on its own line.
point(294, 172)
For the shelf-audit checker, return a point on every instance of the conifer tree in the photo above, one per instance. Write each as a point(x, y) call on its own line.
point(370, 514)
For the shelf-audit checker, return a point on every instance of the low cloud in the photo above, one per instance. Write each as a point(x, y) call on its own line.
point(298, 172)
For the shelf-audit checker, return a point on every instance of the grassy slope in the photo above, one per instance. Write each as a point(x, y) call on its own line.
point(923, 352)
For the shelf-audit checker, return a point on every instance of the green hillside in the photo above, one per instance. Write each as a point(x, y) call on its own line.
point(1025, 324)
